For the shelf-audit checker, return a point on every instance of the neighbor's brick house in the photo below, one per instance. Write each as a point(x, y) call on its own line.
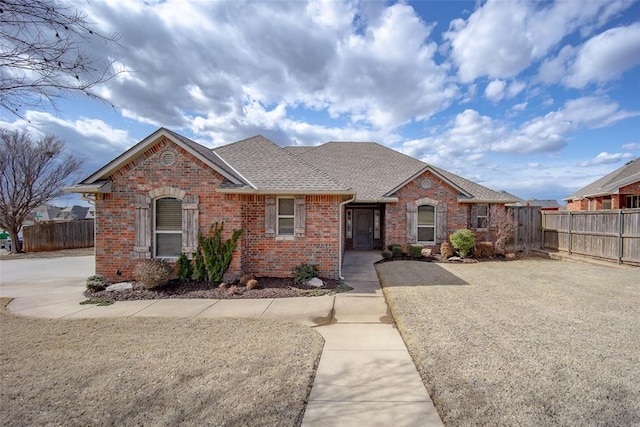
point(619, 189)
point(294, 204)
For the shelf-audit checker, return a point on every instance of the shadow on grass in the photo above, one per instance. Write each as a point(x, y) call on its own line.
point(410, 273)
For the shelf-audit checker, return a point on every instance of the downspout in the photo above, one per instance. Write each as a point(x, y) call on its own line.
point(342, 204)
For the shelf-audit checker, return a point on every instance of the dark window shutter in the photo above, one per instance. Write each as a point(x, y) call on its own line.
point(412, 216)
point(441, 223)
point(190, 224)
point(142, 226)
point(270, 216)
point(300, 216)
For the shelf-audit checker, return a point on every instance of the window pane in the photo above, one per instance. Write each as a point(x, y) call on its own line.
point(168, 245)
point(426, 234)
point(285, 207)
point(483, 210)
point(285, 226)
point(168, 214)
point(426, 215)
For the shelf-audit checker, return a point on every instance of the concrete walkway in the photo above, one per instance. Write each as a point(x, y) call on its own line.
point(365, 375)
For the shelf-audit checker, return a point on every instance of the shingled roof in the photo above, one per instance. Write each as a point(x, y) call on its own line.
point(269, 167)
point(610, 183)
point(376, 171)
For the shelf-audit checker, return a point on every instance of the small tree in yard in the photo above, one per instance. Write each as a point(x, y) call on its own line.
point(503, 225)
point(32, 173)
point(217, 252)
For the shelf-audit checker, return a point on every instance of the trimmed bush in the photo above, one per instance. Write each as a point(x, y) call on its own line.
point(483, 250)
point(185, 269)
point(302, 273)
point(463, 240)
point(390, 246)
point(95, 283)
point(153, 273)
point(386, 254)
point(415, 251)
point(396, 251)
point(445, 250)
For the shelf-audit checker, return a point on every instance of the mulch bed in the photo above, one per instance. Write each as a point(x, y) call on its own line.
point(268, 287)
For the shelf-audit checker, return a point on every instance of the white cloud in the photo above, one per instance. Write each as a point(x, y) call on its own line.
point(370, 64)
point(520, 107)
point(495, 90)
point(606, 158)
point(631, 146)
point(606, 56)
point(502, 38)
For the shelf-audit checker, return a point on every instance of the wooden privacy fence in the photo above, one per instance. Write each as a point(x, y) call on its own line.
point(53, 236)
point(527, 235)
point(610, 234)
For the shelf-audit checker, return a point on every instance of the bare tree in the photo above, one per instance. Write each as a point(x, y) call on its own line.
point(32, 173)
point(503, 225)
point(42, 57)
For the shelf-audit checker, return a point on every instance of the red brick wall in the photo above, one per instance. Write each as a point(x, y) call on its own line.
point(272, 256)
point(578, 205)
point(395, 222)
point(629, 190)
point(255, 254)
point(115, 212)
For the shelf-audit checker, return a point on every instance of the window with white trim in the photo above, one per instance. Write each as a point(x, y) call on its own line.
point(167, 230)
point(286, 216)
point(426, 224)
point(482, 216)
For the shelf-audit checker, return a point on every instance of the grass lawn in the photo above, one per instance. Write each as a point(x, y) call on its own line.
point(152, 371)
point(527, 342)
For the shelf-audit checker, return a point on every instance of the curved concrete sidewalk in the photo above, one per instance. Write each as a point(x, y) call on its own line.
point(365, 375)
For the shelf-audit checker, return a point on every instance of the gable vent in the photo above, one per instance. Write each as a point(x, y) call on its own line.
point(167, 158)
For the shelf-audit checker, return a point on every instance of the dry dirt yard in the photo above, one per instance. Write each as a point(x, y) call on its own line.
point(151, 371)
point(527, 342)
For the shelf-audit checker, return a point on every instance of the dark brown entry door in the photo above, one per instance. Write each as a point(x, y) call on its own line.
point(363, 230)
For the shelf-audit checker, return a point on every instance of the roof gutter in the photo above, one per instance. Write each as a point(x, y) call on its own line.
point(286, 192)
point(341, 242)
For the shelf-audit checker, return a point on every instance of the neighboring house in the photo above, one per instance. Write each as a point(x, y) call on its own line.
point(74, 212)
point(618, 190)
point(43, 213)
point(544, 205)
point(295, 204)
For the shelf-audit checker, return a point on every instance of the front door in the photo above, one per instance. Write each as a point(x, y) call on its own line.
point(363, 229)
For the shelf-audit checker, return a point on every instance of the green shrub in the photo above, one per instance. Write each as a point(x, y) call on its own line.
point(397, 251)
point(390, 247)
point(217, 253)
point(199, 270)
point(95, 283)
point(386, 254)
point(415, 251)
point(302, 273)
point(153, 273)
point(185, 269)
point(463, 240)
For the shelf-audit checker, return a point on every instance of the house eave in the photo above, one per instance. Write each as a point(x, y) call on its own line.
point(284, 192)
point(422, 171)
point(487, 201)
point(102, 187)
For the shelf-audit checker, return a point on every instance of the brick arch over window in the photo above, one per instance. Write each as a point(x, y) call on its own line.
point(440, 219)
point(143, 220)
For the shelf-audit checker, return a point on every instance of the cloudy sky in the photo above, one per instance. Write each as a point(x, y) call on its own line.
point(536, 98)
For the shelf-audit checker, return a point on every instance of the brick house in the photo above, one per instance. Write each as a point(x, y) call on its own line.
point(619, 189)
point(294, 204)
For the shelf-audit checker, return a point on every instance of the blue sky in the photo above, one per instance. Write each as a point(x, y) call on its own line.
point(536, 98)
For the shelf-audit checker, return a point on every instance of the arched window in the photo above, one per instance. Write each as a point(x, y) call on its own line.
point(426, 224)
point(167, 227)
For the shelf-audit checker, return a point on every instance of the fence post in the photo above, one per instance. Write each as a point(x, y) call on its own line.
point(620, 228)
point(543, 221)
point(569, 235)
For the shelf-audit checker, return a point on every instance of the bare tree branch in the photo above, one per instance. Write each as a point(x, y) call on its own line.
point(42, 57)
point(32, 173)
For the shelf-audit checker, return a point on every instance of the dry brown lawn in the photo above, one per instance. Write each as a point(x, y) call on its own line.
point(528, 342)
point(151, 371)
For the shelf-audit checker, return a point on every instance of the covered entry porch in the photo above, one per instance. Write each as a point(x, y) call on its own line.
point(364, 226)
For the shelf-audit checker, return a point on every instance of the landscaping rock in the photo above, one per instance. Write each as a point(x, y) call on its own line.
point(315, 282)
point(454, 259)
point(122, 286)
